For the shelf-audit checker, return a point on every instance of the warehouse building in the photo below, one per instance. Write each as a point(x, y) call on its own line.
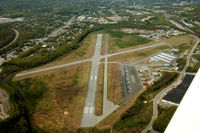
point(164, 57)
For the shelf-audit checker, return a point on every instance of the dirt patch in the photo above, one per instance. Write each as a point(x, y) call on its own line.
point(114, 86)
point(60, 109)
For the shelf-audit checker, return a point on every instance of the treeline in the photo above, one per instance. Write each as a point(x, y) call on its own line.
point(194, 68)
point(6, 36)
point(164, 117)
point(25, 36)
point(24, 98)
point(22, 62)
point(181, 63)
point(133, 119)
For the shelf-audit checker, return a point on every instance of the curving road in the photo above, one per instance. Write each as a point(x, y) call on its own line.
point(163, 92)
point(16, 37)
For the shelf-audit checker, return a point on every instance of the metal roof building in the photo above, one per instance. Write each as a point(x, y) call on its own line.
point(186, 119)
point(162, 57)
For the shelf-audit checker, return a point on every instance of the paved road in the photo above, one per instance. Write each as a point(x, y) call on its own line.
point(108, 106)
point(52, 68)
point(82, 61)
point(163, 92)
point(88, 118)
point(133, 50)
point(178, 25)
point(57, 31)
point(139, 61)
point(16, 37)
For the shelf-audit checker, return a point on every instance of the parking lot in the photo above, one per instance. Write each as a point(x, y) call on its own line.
point(176, 94)
point(130, 81)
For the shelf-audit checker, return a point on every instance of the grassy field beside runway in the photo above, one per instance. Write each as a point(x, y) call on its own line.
point(119, 40)
point(114, 86)
point(60, 108)
point(115, 37)
point(138, 55)
point(136, 113)
point(100, 88)
point(85, 51)
point(103, 45)
point(179, 40)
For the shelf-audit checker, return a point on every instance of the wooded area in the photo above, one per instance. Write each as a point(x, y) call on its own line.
point(6, 36)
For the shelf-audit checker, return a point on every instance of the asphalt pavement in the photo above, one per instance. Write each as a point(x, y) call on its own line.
point(52, 68)
point(164, 91)
point(89, 119)
point(86, 60)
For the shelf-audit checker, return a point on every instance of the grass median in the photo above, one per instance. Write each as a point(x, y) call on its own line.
point(99, 98)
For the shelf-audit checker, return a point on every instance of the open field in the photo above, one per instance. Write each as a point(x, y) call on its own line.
point(179, 40)
point(60, 108)
point(85, 51)
point(103, 45)
point(119, 41)
point(100, 87)
point(114, 86)
point(138, 55)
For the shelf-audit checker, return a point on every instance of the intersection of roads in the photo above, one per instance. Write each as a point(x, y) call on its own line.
point(89, 118)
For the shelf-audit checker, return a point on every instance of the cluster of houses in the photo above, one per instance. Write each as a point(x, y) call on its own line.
point(161, 34)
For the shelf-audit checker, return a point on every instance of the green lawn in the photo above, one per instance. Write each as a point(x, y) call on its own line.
point(123, 40)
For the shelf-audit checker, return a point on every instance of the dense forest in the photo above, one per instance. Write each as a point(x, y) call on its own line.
point(6, 36)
